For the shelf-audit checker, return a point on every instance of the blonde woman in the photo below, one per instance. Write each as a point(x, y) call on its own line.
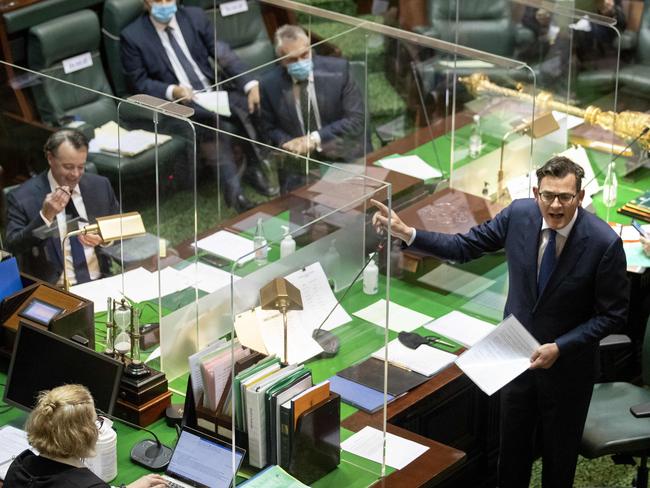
point(63, 429)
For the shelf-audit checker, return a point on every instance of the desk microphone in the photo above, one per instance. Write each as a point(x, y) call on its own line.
point(600, 171)
point(328, 341)
point(151, 454)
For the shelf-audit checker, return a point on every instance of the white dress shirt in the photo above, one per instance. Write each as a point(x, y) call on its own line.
point(181, 76)
point(560, 239)
point(91, 257)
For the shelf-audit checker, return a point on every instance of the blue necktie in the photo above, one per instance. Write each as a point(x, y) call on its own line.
point(547, 265)
point(185, 63)
point(77, 250)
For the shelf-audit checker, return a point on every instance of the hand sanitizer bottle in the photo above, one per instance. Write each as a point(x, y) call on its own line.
point(610, 187)
point(259, 243)
point(287, 245)
point(475, 141)
point(371, 276)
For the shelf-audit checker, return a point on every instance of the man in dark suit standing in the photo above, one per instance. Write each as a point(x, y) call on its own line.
point(165, 53)
point(311, 104)
point(568, 287)
point(53, 197)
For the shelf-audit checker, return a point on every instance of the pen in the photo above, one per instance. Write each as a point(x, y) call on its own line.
point(435, 340)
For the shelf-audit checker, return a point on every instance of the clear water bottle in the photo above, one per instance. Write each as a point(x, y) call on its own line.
point(610, 187)
point(475, 141)
point(260, 244)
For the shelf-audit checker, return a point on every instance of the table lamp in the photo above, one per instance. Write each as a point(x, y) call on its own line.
point(282, 296)
point(109, 228)
point(540, 126)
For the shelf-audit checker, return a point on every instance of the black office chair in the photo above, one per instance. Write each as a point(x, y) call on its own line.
point(611, 427)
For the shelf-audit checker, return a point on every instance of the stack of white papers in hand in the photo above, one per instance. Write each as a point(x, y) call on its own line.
point(410, 165)
point(214, 101)
point(228, 245)
point(499, 357)
point(369, 443)
point(425, 359)
point(462, 328)
point(400, 318)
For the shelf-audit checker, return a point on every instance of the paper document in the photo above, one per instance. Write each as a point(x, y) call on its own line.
point(410, 165)
point(206, 277)
point(318, 300)
point(195, 365)
point(462, 328)
point(500, 356)
point(228, 245)
point(214, 101)
point(368, 443)
point(425, 360)
point(112, 138)
point(13, 441)
point(263, 331)
point(400, 318)
point(456, 280)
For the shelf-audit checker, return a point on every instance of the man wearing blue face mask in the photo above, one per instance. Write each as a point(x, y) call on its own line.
point(310, 104)
point(166, 53)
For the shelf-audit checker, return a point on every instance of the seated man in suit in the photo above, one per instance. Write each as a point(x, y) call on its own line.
point(52, 197)
point(311, 104)
point(165, 53)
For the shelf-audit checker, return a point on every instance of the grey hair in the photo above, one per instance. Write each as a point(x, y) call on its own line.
point(288, 33)
point(74, 137)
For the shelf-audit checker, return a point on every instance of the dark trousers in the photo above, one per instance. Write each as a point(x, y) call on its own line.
point(547, 405)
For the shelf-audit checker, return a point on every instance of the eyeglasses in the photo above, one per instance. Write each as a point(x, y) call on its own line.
point(549, 197)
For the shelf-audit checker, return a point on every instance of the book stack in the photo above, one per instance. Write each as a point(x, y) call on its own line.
point(281, 416)
point(638, 207)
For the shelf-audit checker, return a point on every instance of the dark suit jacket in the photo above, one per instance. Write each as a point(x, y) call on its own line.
point(340, 105)
point(23, 216)
point(147, 67)
point(586, 297)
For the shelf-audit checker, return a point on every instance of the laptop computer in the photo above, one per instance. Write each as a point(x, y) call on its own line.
point(202, 461)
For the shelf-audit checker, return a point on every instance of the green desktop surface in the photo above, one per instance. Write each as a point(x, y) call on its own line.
point(358, 338)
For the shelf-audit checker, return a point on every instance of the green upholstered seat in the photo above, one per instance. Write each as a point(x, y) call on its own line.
point(611, 428)
point(39, 12)
point(245, 32)
point(49, 44)
point(116, 16)
point(636, 76)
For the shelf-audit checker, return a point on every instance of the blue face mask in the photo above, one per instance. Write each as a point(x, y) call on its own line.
point(163, 13)
point(300, 70)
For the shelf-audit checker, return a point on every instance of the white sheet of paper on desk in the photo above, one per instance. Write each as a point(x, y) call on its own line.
point(99, 290)
point(460, 327)
point(425, 359)
point(214, 101)
point(369, 444)
point(228, 245)
point(410, 165)
point(206, 277)
point(455, 280)
point(400, 318)
point(13, 441)
point(318, 300)
point(300, 344)
point(499, 357)
point(578, 155)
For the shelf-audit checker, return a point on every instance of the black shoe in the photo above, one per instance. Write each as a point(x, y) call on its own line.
point(240, 203)
point(258, 180)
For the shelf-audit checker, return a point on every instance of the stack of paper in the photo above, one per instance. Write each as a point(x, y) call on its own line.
point(462, 328)
point(425, 359)
point(112, 138)
point(499, 357)
point(228, 245)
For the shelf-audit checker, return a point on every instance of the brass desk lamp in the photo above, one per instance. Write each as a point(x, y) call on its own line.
point(109, 228)
point(282, 296)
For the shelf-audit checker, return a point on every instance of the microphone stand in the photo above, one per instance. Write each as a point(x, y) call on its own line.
point(328, 341)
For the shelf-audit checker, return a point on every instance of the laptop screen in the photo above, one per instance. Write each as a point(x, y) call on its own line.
point(203, 462)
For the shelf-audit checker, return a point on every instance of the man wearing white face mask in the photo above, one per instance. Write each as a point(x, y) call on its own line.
point(311, 104)
point(166, 53)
